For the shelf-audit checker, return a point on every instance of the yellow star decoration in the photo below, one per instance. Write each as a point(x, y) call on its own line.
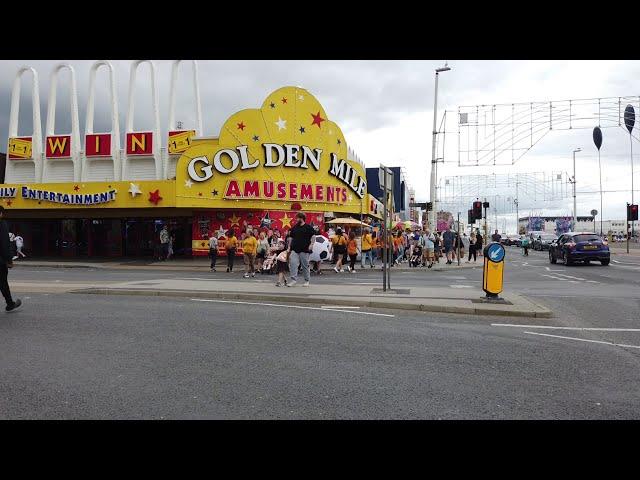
point(286, 221)
point(235, 220)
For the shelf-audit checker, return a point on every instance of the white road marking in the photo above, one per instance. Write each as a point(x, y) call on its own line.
point(584, 340)
point(461, 286)
point(289, 306)
point(570, 276)
point(553, 276)
point(592, 281)
point(549, 270)
point(598, 329)
point(337, 306)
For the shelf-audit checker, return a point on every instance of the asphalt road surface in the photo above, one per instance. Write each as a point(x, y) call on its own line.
point(92, 356)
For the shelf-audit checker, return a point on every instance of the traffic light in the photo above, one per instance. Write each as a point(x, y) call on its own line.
point(477, 210)
point(632, 212)
point(470, 219)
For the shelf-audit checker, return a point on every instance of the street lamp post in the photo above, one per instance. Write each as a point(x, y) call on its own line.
point(432, 192)
point(575, 211)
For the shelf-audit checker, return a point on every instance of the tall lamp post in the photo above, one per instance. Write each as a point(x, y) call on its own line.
point(575, 209)
point(597, 140)
point(432, 193)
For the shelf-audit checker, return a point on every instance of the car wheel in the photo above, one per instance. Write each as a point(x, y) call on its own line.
point(587, 262)
point(604, 263)
point(552, 258)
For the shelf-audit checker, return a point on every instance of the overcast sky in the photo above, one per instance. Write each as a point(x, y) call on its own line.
point(385, 109)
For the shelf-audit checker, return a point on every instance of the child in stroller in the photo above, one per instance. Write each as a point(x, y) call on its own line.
point(270, 262)
point(416, 256)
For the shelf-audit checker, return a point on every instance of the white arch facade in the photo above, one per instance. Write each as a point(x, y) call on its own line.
point(101, 160)
point(142, 156)
point(173, 156)
point(61, 162)
point(21, 167)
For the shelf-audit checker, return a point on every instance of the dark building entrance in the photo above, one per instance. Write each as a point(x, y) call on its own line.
point(103, 237)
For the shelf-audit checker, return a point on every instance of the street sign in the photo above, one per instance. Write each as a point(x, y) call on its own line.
point(493, 271)
point(594, 212)
point(381, 179)
point(422, 205)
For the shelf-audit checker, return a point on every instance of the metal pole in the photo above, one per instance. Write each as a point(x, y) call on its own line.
point(384, 231)
point(627, 227)
point(485, 220)
point(432, 192)
point(632, 202)
point(601, 211)
point(459, 239)
point(574, 192)
point(390, 250)
point(517, 211)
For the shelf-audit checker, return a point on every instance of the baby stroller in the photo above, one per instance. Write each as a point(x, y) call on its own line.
point(270, 263)
point(416, 256)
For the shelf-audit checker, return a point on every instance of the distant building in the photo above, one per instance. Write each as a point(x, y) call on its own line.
point(557, 225)
point(400, 189)
point(616, 227)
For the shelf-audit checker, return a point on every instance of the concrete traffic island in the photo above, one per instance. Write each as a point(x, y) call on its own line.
point(425, 299)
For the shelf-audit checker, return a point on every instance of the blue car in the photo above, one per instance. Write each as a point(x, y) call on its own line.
point(579, 247)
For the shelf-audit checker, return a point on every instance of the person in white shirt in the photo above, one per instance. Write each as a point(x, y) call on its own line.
point(19, 245)
point(213, 250)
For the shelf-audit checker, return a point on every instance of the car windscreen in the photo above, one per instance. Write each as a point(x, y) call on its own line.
point(586, 238)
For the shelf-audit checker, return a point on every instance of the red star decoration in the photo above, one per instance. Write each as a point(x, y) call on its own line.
point(154, 197)
point(241, 126)
point(9, 202)
point(317, 119)
point(284, 100)
point(76, 188)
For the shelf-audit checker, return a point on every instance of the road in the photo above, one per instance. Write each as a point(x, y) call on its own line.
point(93, 356)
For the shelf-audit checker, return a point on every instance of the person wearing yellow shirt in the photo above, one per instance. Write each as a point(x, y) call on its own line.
point(367, 248)
point(249, 248)
point(339, 245)
point(230, 246)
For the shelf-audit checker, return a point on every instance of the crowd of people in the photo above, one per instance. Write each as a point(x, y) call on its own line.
point(287, 254)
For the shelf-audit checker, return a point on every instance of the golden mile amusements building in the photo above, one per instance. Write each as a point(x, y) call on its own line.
point(74, 196)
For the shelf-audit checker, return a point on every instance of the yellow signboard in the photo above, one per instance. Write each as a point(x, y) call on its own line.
point(493, 275)
point(180, 141)
point(286, 154)
point(20, 148)
point(493, 271)
point(87, 195)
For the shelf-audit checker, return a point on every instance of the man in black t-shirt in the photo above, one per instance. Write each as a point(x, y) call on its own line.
point(496, 237)
point(302, 238)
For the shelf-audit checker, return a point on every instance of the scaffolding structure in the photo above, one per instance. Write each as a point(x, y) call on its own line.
point(501, 134)
point(532, 191)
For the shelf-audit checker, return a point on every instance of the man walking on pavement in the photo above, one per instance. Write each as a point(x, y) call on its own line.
point(6, 262)
point(447, 239)
point(302, 237)
point(496, 237)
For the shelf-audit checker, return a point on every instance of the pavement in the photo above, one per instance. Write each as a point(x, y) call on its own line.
point(193, 264)
point(466, 299)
